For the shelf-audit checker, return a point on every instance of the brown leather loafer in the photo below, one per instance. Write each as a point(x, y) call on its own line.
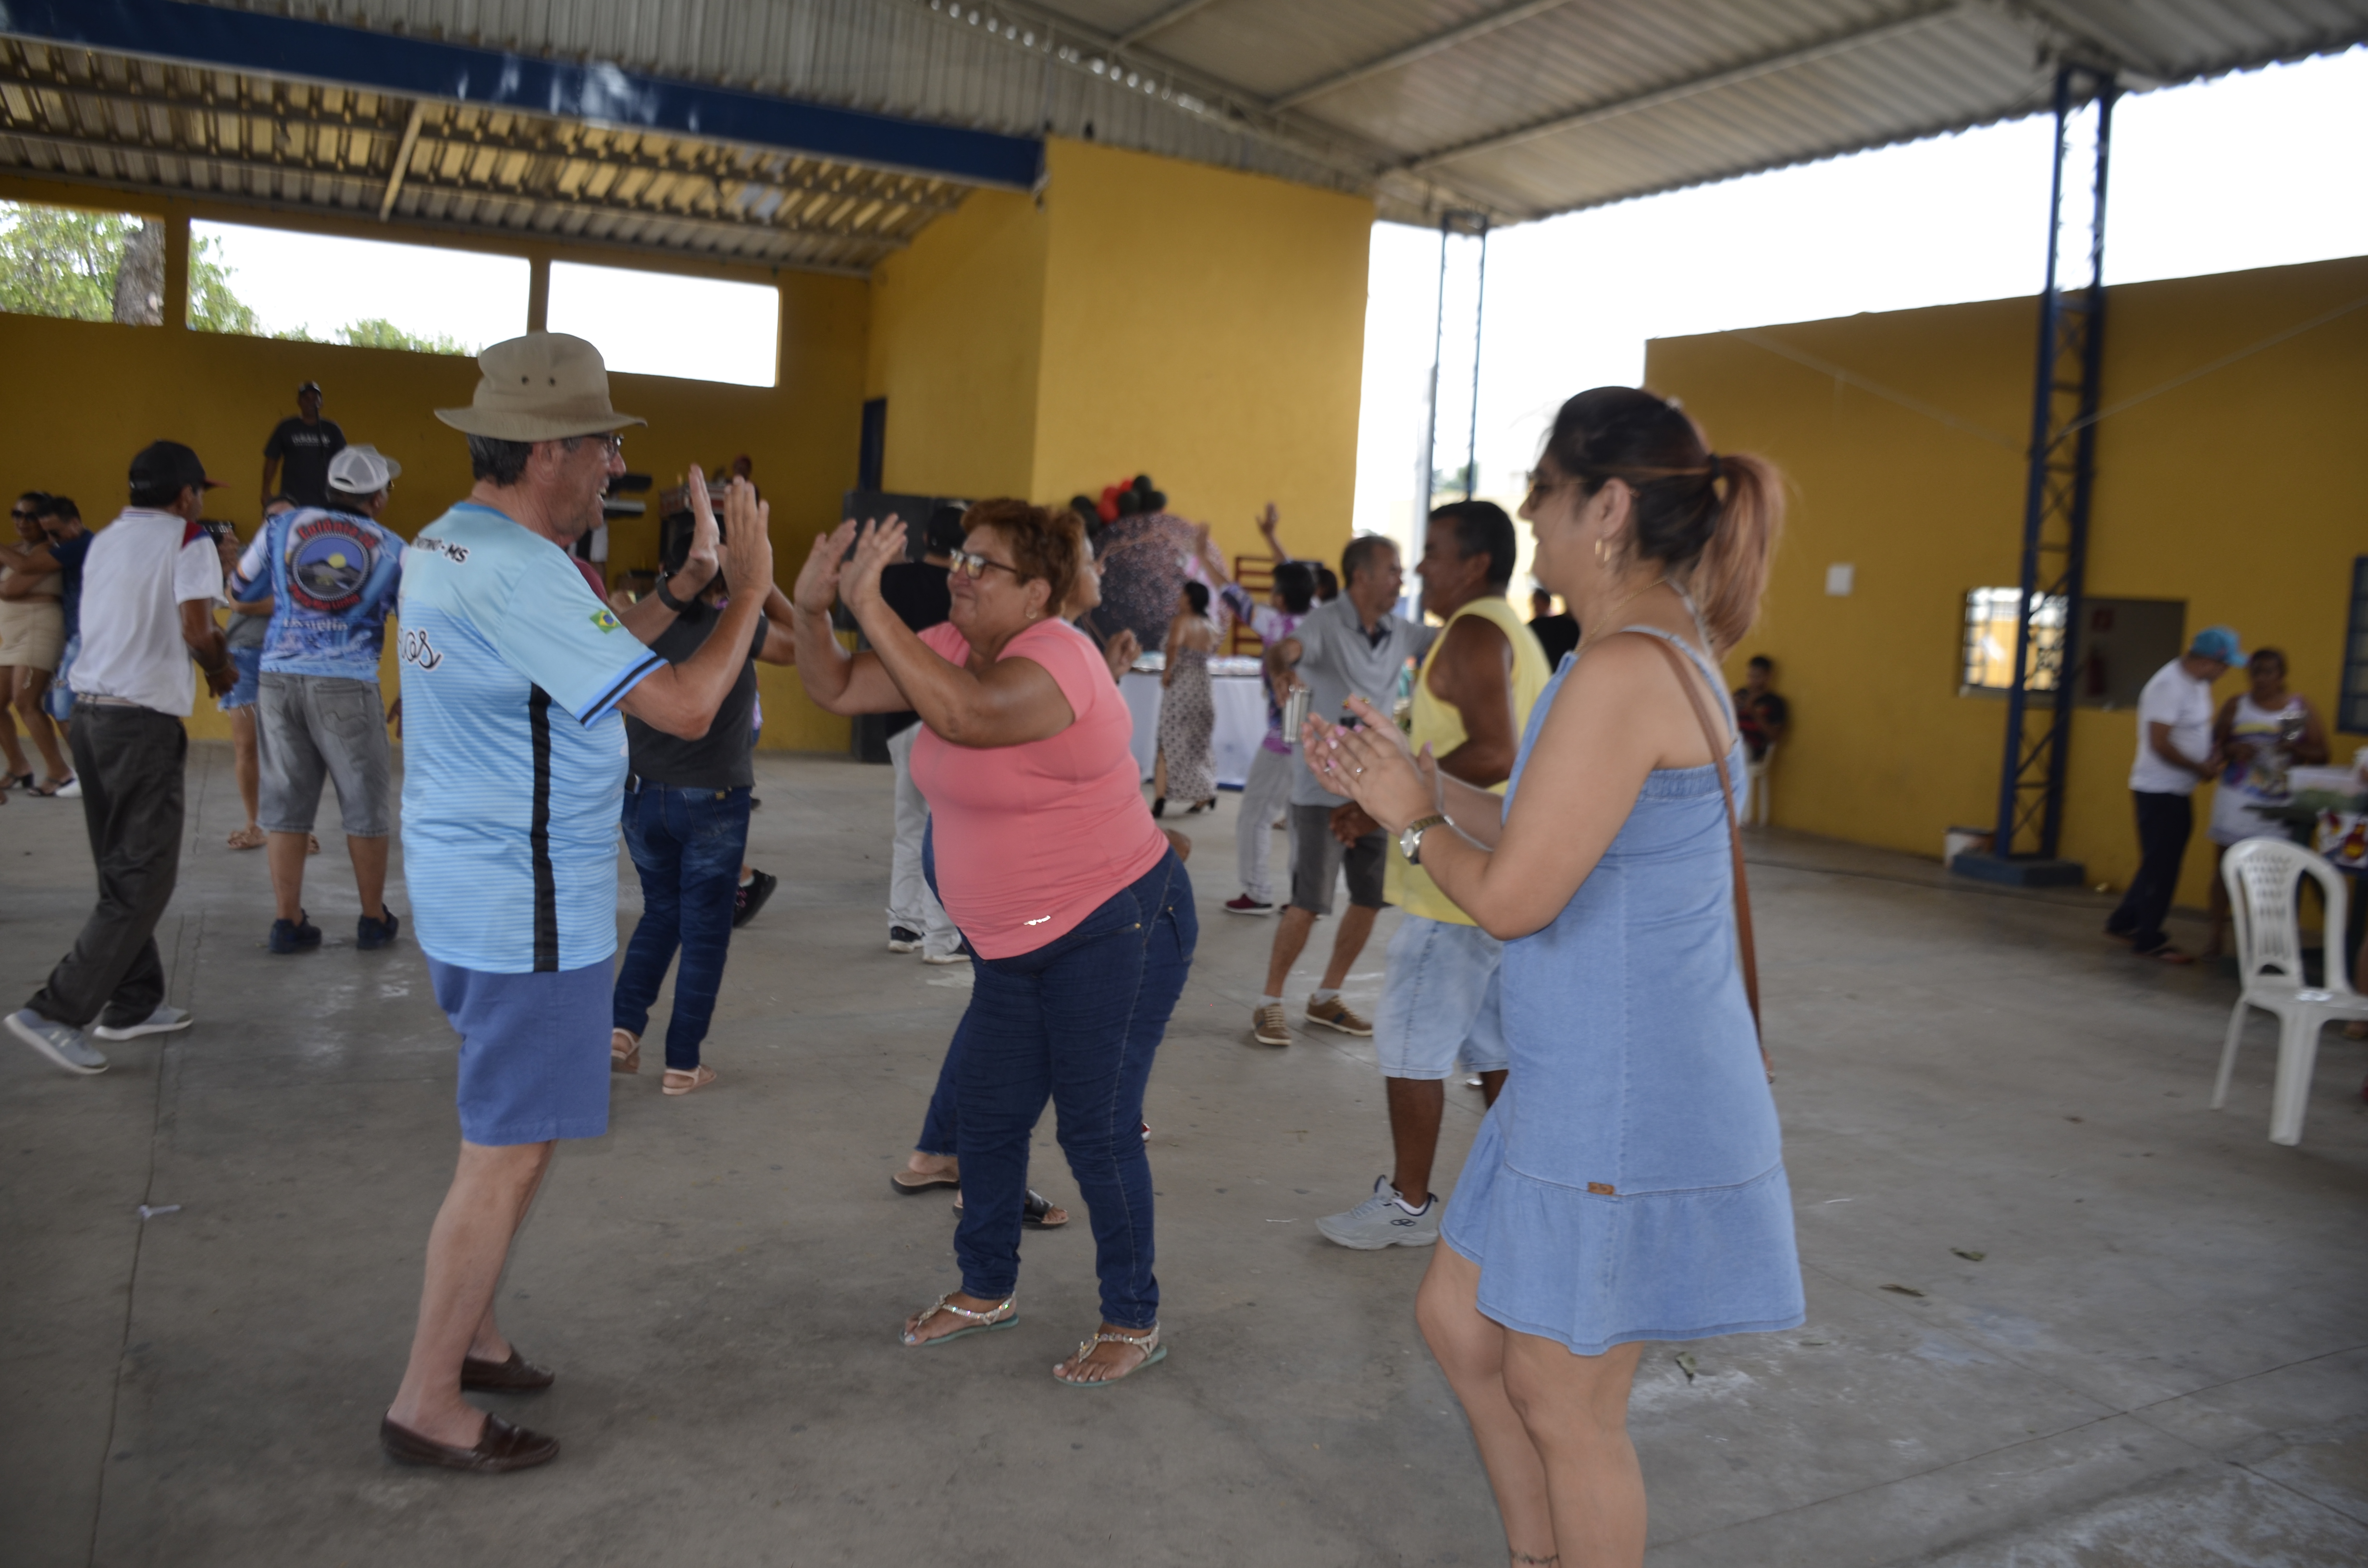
point(501, 1447)
point(517, 1375)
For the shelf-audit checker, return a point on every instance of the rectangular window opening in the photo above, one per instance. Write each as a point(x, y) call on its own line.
point(257, 282)
point(2122, 643)
point(662, 323)
point(80, 264)
point(2352, 709)
point(1986, 656)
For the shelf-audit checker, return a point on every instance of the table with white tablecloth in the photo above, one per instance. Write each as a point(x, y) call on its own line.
point(1240, 699)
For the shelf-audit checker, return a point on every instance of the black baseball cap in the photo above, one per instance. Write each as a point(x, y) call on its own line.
point(162, 465)
point(307, 386)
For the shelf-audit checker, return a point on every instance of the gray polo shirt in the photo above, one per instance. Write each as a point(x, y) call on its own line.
point(1338, 657)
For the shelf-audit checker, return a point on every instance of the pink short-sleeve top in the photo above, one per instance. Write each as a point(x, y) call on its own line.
point(1033, 838)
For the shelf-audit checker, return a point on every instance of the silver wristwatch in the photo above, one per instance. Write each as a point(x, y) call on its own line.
point(1410, 836)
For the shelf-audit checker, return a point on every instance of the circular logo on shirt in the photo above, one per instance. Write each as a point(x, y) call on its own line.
point(329, 559)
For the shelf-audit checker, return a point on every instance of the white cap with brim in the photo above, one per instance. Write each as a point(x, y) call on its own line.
point(545, 386)
point(361, 471)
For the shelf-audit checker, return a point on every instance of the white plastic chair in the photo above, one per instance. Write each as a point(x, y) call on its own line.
point(2263, 876)
point(1756, 805)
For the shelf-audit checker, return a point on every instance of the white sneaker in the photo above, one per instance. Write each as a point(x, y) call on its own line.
point(62, 1043)
point(69, 790)
point(1382, 1221)
point(164, 1020)
point(960, 955)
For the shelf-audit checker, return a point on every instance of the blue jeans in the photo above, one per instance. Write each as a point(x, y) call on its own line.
point(688, 846)
point(1076, 1021)
point(939, 1127)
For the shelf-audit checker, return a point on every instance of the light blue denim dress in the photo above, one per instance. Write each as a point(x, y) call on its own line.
point(1629, 1183)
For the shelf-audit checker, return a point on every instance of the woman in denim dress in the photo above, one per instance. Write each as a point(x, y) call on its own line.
point(1629, 1184)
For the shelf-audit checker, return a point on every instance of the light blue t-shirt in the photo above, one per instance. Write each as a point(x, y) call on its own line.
point(332, 577)
point(514, 752)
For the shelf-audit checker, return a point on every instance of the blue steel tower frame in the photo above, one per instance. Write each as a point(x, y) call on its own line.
point(2056, 505)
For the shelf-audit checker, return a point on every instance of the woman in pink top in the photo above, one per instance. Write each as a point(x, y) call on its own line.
point(1077, 913)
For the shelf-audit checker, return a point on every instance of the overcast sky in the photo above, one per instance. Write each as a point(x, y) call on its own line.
point(653, 321)
point(2258, 170)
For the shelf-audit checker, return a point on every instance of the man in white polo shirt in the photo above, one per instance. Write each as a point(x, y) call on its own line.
point(2174, 754)
point(148, 591)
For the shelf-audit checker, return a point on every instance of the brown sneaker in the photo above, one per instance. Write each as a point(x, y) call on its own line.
point(1268, 1026)
point(1334, 1015)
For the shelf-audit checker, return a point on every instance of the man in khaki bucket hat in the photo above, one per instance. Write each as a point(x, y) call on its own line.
point(514, 678)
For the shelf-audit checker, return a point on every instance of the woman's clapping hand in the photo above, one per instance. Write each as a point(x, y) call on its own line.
point(1373, 766)
point(876, 547)
point(817, 584)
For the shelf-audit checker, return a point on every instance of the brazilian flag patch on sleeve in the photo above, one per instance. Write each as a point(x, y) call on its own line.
point(606, 621)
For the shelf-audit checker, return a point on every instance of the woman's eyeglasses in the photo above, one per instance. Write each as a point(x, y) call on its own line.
point(973, 566)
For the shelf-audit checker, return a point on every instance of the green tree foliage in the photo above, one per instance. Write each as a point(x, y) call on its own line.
point(377, 331)
point(61, 261)
point(213, 305)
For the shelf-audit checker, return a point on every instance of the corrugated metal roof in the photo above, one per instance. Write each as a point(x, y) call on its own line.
point(99, 118)
point(1527, 108)
point(1516, 107)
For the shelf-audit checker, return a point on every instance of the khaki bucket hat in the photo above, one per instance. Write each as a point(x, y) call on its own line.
point(545, 386)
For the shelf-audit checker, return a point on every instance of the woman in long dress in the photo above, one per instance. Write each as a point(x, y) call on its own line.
point(2261, 733)
point(1629, 1184)
point(1187, 709)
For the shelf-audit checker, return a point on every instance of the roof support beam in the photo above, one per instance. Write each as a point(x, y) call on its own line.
point(1767, 65)
point(1160, 21)
point(1421, 48)
point(402, 161)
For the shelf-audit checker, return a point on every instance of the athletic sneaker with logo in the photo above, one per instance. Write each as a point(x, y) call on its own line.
point(332, 577)
point(1383, 1220)
point(514, 752)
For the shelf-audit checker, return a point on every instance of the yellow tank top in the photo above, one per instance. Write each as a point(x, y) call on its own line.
point(1440, 725)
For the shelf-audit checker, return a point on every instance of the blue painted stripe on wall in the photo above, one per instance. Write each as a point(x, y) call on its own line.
point(604, 94)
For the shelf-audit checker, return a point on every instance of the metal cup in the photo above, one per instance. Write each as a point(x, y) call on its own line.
point(1294, 713)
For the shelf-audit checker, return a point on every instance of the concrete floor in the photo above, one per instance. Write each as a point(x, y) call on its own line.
point(2162, 1357)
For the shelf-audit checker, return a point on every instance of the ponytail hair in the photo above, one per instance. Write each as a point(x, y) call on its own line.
point(1710, 519)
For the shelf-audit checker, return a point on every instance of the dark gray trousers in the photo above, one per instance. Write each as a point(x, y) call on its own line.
point(130, 761)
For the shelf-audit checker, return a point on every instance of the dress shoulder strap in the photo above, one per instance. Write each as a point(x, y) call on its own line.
point(1709, 671)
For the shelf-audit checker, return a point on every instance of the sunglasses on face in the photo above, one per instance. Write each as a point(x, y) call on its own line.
point(973, 566)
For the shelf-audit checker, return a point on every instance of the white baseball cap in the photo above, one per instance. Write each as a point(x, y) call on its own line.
point(361, 471)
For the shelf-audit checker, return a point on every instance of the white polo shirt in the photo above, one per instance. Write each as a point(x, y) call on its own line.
point(141, 568)
point(2180, 700)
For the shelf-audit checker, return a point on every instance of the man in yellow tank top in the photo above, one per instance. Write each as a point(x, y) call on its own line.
point(1472, 700)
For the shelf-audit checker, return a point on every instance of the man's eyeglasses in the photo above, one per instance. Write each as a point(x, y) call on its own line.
point(611, 445)
point(23, 516)
point(973, 566)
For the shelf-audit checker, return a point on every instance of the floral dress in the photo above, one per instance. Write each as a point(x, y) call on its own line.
point(1188, 715)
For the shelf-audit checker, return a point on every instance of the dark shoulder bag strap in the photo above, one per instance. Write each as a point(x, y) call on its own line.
point(1718, 750)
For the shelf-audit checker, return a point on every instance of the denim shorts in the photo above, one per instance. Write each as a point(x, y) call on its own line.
point(1440, 1000)
point(59, 701)
point(314, 727)
point(248, 662)
point(534, 1052)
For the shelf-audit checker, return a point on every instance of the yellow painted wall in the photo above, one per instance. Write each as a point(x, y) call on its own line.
point(2235, 493)
point(956, 345)
point(1142, 315)
point(1206, 327)
point(81, 397)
